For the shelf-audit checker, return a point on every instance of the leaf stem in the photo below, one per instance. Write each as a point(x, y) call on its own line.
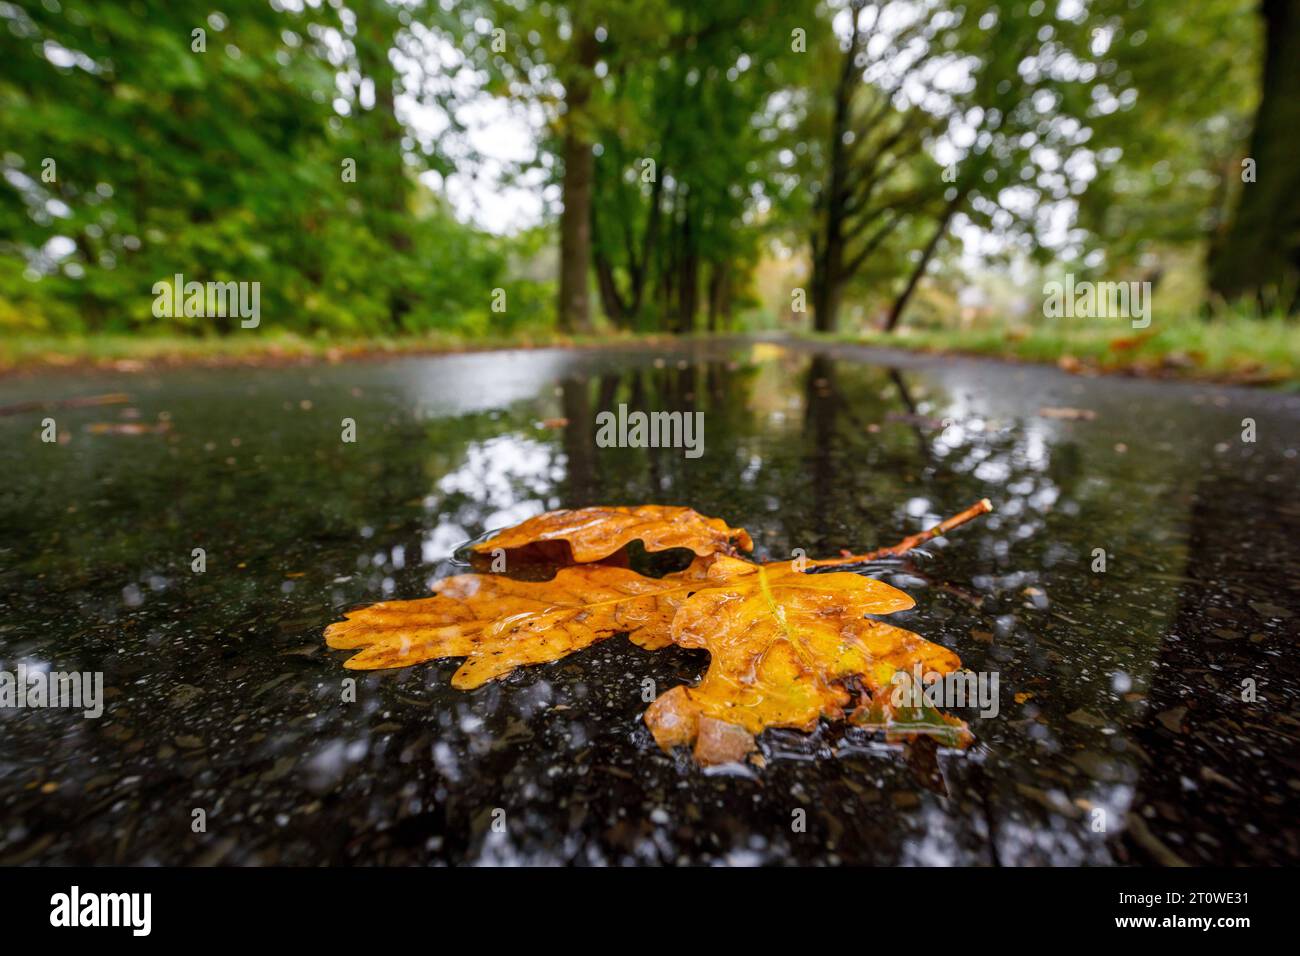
point(983, 506)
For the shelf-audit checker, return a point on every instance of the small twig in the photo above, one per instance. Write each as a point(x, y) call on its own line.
point(983, 506)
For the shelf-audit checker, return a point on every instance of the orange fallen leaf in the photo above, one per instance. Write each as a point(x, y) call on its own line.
point(596, 533)
point(720, 742)
point(784, 646)
point(1068, 414)
point(788, 645)
point(1130, 342)
point(497, 623)
point(128, 428)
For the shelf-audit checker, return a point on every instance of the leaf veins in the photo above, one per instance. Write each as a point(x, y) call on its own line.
point(786, 647)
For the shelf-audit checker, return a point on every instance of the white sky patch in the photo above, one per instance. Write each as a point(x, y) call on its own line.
point(499, 137)
point(503, 136)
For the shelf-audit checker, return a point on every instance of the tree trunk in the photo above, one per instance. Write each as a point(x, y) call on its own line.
point(575, 234)
point(1258, 256)
point(384, 186)
point(829, 282)
point(611, 301)
point(896, 312)
point(579, 174)
point(667, 273)
point(688, 289)
point(719, 295)
point(828, 286)
point(649, 245)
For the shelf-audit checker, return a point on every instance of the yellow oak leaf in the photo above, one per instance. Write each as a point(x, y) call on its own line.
point(593, 534)
point(789, 642)
point(783, 646)
point(497, 623)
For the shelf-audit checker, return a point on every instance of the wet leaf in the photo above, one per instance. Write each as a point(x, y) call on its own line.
point(593, 534)
point(784, 646)
point(128, 428)
point(497, 623)
point(1068, 414)
point(789, 642)
point(720, 742)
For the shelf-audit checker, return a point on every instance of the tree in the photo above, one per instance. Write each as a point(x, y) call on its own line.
point(579, 174)
point(875, 172)
point(553, 57)
point(684, 171)
point(260, 146)
point(947, 113)
point(1258, 255)
point(1169, 133)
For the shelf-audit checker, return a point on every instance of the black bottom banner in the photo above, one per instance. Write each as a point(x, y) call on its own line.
point(220, 905)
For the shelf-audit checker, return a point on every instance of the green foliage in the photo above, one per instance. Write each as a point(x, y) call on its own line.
point(133, 152)
point(222, 158)
point(1172, 155)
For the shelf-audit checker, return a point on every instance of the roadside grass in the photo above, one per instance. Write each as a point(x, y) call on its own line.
point(127, 351)
point(1232, 348)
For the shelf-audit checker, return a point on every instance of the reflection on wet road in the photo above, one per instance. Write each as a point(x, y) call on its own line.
point(1122, 734)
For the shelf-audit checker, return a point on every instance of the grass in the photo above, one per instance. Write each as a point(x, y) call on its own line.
point(128, 352)
point(1231, 348)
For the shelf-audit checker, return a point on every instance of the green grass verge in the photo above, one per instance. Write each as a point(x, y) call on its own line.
point(126, 351)
point(1230, 348)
